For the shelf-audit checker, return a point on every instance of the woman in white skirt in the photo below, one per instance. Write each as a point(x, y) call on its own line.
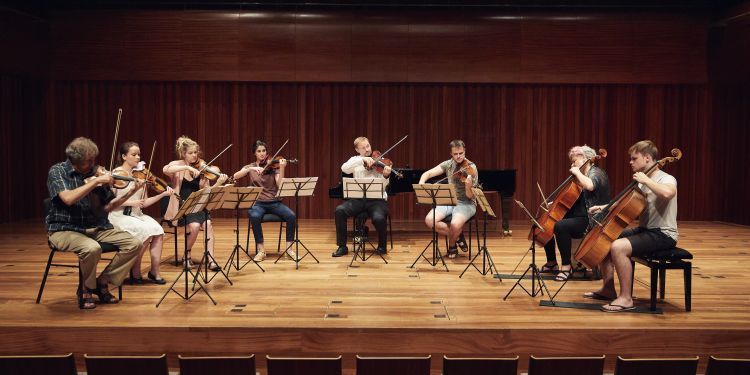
point(130, 217)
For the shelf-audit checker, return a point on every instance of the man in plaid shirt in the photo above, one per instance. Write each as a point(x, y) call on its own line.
point(77, 221)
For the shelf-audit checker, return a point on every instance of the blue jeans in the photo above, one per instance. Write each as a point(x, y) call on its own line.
point(272, 207)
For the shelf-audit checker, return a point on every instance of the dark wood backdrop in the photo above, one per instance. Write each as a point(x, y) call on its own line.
point(520, 89)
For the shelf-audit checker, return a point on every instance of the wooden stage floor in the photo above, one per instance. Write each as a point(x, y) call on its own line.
point(375, 308)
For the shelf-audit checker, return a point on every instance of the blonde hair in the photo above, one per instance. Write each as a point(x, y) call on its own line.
point(584, 150)
point(359, 140)
point(182, 145)
point(644, 148)
point(81, 148)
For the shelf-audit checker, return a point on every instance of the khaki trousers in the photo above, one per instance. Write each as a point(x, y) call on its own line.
point(89, 252)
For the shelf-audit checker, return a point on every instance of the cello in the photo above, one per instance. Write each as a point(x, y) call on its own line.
point(566, 195)
point(617, 215)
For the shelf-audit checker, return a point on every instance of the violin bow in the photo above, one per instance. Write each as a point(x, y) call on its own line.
point(268, 163)
point(148, 168)
point(382, 154)
point(216, 157)
point(114, 143)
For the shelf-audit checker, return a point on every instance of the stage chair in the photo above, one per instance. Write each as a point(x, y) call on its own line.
point(303, 366)
point(241, 365)
point(393, 365)
point(106, 248)
point(267, 218)
point(656, 366)
point(38, 364)
point(661, 261)
point(359, 224)
point(566, 365)
point(170, 228)
point(126, 365)
point(728, 366)
point(480, 366)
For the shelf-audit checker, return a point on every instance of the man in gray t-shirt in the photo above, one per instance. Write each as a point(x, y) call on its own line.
point(657, 228)
point(457, 165)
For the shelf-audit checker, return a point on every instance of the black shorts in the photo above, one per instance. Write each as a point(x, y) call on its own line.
point(645, 241)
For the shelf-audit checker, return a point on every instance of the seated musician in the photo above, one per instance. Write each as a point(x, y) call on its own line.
point(595, 184)
point(657, 228)
point(269, 179)
point(466, 207)
point(77, 219)
point(377, 209)
point(187, 178)
point(130, 217)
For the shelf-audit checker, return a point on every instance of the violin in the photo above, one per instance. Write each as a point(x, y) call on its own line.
point(464, 171)
point(211, 172)
point(565, 196)
point(154, 182)
point(619, 213)
point(380, 163)
point(275, 163)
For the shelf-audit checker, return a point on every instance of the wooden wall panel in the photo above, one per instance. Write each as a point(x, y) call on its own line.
point(523, 127)
point(596, 46)
point(268, 51)
point(380, 45)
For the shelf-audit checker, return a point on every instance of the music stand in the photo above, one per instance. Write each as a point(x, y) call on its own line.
point(364, 189)
point(487, 263)
point(191, 205)
point(213, 198)
point(240, 198)
point(535, 274)
point(434, 195)
point(297, 187)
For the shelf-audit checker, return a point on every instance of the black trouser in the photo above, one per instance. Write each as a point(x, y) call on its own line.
point(377, 209)
point(565, 230)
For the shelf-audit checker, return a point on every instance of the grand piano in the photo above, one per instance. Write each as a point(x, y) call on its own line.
point(502, 181)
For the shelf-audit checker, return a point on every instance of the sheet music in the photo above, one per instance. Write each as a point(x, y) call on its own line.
point(482, 201)
point(368, 188)
point(290, 186)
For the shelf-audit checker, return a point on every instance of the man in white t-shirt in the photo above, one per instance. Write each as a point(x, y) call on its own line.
point(362, 166)
point(657, 228)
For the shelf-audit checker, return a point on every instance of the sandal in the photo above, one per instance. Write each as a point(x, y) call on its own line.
point(549, 267)
point(562, 276)
point(214, 267)
point(452, 252)
point(85, 299)
point(104, 295)
point(461, 242)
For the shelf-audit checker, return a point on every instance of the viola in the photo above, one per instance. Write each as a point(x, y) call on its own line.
point(380, 163)
point(464, 170)
point(565, 196)
point(121, 178)
point(618, 214)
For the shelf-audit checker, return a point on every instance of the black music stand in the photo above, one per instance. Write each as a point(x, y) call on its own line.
point(488, 265)
point(363, 188)
point(213, 198)
point(434, 195)
point(535, 275)
point(190, 206)
point(297, 187)
point(238, 198)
